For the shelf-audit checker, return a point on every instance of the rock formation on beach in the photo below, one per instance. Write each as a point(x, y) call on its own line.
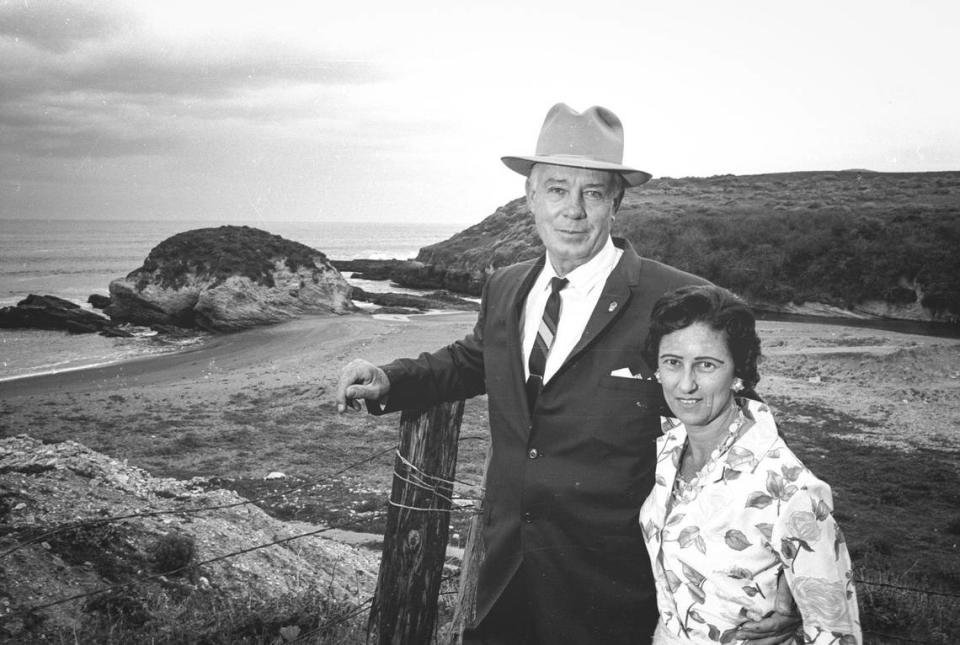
point(51, 312)
point(228, 278)
point(395, 302)
point(418, 275)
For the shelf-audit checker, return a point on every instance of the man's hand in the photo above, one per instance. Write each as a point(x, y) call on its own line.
point(778, 627)
point(360, 379)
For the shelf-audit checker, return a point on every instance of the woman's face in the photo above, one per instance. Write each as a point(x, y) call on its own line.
point(697, 373)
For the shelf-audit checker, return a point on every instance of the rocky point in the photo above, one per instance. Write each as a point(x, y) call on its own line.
point(228, 278)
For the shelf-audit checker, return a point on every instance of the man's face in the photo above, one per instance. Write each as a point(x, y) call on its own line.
point(573, 209)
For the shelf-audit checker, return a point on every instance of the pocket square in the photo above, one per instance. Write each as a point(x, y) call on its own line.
point(624, 372)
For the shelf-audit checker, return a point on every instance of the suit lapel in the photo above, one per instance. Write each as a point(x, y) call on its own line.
point(514, 315)
point(612, 303)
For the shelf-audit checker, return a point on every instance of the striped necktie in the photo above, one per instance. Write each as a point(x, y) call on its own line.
point(545, 335)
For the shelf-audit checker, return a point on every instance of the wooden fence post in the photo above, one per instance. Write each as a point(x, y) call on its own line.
point(473, 554)
point(404, 610)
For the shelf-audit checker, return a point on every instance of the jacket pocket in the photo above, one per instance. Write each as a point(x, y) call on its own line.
point(640, 392)
point(631, 408)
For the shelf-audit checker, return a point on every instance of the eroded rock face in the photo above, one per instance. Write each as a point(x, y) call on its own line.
point(228, 278)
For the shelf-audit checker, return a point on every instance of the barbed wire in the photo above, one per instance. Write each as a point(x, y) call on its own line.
point(900, 638)
point(87, 522)
point(196, 565)
point(171, 572)
point(99, 521)
point(890, 585)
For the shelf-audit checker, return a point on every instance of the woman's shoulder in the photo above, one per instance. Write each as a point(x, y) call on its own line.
point(781, 464)
point(769, 445)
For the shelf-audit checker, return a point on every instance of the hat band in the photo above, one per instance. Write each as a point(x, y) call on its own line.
point(565, 156)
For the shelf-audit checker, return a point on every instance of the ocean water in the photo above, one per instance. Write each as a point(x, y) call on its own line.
point(73, 259)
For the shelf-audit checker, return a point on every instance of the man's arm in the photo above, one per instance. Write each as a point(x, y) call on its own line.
point(449, 374)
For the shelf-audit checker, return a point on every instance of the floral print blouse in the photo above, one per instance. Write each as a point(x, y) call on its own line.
point(717, 552)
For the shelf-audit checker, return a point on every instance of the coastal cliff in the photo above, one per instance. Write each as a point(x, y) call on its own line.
point(228, 278)
point(853, 243)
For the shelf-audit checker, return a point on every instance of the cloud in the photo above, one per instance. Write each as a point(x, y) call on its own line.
point(206, 72)
point(94, 81)
point(58, 25)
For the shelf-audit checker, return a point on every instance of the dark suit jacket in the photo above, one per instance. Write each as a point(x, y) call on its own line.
point(565, 484)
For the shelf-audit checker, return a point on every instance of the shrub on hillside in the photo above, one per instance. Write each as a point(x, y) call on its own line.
point(225, 251)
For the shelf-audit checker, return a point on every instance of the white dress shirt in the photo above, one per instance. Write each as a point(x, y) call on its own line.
point(577, 302)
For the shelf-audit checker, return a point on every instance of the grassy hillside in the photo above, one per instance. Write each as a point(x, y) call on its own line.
point(837, 238)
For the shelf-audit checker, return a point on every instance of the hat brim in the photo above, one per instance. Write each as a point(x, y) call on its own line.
point(522, 165)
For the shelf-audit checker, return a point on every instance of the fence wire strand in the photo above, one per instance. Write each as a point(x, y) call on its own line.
point(89, 522)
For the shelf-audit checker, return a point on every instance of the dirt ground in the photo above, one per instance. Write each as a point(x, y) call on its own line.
point(909, 385)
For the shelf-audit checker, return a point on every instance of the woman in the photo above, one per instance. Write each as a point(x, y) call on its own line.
point(732, 506)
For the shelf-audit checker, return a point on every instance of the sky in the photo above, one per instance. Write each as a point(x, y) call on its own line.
point(387, 111)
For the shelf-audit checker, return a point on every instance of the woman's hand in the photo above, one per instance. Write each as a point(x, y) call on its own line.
point(779, 626)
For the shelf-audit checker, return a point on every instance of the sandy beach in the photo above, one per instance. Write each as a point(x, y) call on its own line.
point(891, 378)
point(231, 407)
point(240, 405)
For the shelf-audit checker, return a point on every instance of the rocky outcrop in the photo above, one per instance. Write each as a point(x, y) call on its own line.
point(501, 239)
point(406, 304)
point(98, 301)
point(226, 279)
point(50, 312)
point(462, 263)
point(414, 274)
point(103, 522)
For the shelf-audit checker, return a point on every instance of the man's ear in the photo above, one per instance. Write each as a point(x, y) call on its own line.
point(529, 191)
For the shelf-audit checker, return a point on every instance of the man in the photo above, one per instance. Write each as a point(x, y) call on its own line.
point(574, 412)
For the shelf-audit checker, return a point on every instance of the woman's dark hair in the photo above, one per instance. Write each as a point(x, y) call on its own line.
point(719, 309)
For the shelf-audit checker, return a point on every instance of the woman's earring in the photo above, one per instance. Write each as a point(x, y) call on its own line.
point(737, 384)
point(656, 375)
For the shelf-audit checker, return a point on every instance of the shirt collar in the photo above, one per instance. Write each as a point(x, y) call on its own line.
point(758, 439)
point(588, 275)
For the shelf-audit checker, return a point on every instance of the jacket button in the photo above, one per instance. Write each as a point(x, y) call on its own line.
point(528, 517)
point(533, 454)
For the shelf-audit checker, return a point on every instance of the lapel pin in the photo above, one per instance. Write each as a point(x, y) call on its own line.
point(612, 307)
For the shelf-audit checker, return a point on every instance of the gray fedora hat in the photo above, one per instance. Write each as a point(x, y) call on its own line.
point(592, 139)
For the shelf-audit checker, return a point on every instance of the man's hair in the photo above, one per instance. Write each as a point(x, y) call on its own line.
point(618, 184)
point(720, 310)
point(619, 189)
